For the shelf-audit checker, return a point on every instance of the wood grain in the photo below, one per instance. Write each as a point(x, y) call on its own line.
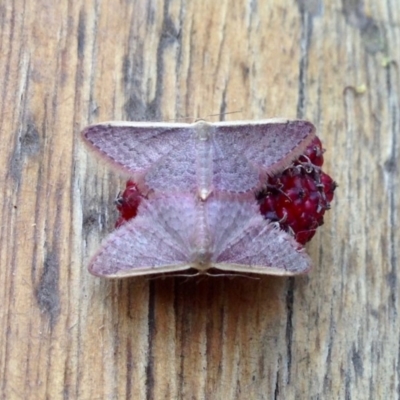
point(64, 334)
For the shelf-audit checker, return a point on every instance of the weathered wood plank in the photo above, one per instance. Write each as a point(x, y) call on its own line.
point(65, 334)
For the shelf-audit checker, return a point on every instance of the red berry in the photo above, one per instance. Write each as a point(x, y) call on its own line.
point(314, 153)
point(329, 186)
point(298, 197)
point(127, 203)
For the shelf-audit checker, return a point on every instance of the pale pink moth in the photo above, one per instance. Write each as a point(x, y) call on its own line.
point(200, 209)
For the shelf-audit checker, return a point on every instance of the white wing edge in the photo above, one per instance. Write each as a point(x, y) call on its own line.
point(139, 124)
point(242, 268)
point(261, 270)
point(142, 271)
point(146, 124)
point(269, 121)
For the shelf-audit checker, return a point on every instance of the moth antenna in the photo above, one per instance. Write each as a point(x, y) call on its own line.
point(225, 113)
point(235, 275)
point(172, 275)
point(208, 116)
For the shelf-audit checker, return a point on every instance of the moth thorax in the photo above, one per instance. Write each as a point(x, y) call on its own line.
point(204, 159)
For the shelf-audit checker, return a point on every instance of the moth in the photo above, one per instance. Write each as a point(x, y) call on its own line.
point(199, 210)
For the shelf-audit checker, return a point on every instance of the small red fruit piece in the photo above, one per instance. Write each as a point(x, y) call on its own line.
point(313, 153)
point(127, 203)
point(298, 197)
point(329, 186)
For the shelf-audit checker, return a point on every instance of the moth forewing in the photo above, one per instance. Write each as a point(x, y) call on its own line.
point(170, 157)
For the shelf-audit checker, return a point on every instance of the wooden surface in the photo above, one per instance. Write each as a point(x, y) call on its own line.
point(65, 334)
